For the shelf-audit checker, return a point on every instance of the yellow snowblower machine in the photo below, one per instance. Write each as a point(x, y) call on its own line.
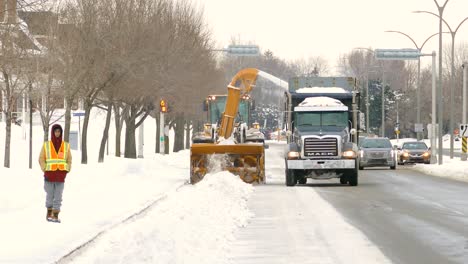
point(229, 152)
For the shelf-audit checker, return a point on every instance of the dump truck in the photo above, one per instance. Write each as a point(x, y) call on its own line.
point(322, 126)
point(242, 152)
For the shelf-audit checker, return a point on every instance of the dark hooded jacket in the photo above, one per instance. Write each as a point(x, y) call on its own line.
point(58, 175)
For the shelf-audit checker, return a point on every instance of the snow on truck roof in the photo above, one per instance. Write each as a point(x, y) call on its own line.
point(321, 90)
point(321, 103)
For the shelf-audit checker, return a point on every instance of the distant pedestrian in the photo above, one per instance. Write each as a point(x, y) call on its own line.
point(55, 161)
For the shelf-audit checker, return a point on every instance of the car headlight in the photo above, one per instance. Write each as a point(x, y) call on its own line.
point(426, 154)
point(293, 155)
point(349, 154)
point(392, 153)
point(361, 153)
point(405, 154)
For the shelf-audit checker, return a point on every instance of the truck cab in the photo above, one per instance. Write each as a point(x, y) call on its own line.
point(322, 124)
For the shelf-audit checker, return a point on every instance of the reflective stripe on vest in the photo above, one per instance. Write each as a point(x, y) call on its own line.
point(56, 161)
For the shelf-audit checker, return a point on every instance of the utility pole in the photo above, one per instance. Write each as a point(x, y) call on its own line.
point(465, 70)
point(383, 101)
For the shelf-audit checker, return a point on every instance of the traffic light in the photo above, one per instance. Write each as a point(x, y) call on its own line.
point(163, 106)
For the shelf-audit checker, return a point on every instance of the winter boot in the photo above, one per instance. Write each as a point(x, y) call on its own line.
point(55, 214)
point(49, 214)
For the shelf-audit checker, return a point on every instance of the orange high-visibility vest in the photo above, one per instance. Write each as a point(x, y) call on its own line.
point(56, 161)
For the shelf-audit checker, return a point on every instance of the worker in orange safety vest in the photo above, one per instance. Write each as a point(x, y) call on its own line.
point(55, 160)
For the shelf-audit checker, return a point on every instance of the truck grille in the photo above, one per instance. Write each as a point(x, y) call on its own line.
point(321, 147)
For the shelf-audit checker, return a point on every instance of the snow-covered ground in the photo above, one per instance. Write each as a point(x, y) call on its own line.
point(143, 210)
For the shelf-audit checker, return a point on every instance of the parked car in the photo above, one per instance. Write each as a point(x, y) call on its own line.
point(414, 152)
point(376, 152)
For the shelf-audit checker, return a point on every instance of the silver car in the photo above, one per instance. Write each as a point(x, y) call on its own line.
point(376, 152)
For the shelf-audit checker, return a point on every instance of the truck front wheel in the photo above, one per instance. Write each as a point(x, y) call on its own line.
point(353, 177)
point(290, 178)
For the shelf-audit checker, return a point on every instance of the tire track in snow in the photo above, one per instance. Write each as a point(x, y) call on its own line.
point(68, 258)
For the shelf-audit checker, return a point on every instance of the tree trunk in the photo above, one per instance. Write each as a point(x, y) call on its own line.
point(66, 132)
point(130, 142)
point(187, 134)
point(105, 134)
point(158, 134)
point(6, 160)
point(118, 130)
point(84, 137)
point(179, 133)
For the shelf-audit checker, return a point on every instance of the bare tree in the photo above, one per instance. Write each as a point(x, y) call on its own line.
point(312, 66)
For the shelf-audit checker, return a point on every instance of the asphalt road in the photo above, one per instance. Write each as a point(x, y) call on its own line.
point(409, 216)
point(412, 217)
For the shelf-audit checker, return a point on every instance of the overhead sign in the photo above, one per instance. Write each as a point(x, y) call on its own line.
point(418, 127)
point(78, 113)
point(464, 130)
point(397, 54)
point(243, 50)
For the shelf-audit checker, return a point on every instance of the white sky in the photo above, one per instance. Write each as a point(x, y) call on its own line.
point(302, 28)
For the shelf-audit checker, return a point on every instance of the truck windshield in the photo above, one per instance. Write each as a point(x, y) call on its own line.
point(217, 108)
point(325, 120)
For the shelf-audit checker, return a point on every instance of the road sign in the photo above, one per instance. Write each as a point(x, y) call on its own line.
point(243, 50)
point(418, 127)
point(397, 54)
point(464, 130)
point(78, 113)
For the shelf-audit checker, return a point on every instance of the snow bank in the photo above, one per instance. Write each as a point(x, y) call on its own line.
point(193, 225)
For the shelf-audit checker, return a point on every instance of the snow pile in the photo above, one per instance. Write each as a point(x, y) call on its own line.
point(228, 141)
point(321, 90)
point(451, 168)
point(320, 101)
point(193, 225)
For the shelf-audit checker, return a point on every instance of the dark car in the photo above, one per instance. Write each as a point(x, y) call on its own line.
point(376, 152)
point(414, 152)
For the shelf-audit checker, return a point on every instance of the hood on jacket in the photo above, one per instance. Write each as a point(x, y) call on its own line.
point(57, 141)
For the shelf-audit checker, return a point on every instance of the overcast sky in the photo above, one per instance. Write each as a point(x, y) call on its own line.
point(301, 28)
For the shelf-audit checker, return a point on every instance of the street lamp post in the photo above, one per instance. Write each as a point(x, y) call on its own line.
point(452, 70)
point(418, 82)
point(465, 70)
point(382, 133)
point(440, 101)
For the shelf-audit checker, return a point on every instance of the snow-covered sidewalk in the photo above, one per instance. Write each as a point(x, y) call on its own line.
point(96, 198)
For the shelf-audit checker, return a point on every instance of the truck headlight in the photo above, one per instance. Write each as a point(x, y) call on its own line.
point(293, 155)
point(349, 154)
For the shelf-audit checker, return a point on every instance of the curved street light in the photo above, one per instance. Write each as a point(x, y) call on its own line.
point(452, 76)
point(418, 89)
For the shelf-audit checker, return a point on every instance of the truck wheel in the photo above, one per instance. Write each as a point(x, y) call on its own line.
point(290, 178)
point(353, 177)
point(302, 180)
point(343, 179)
